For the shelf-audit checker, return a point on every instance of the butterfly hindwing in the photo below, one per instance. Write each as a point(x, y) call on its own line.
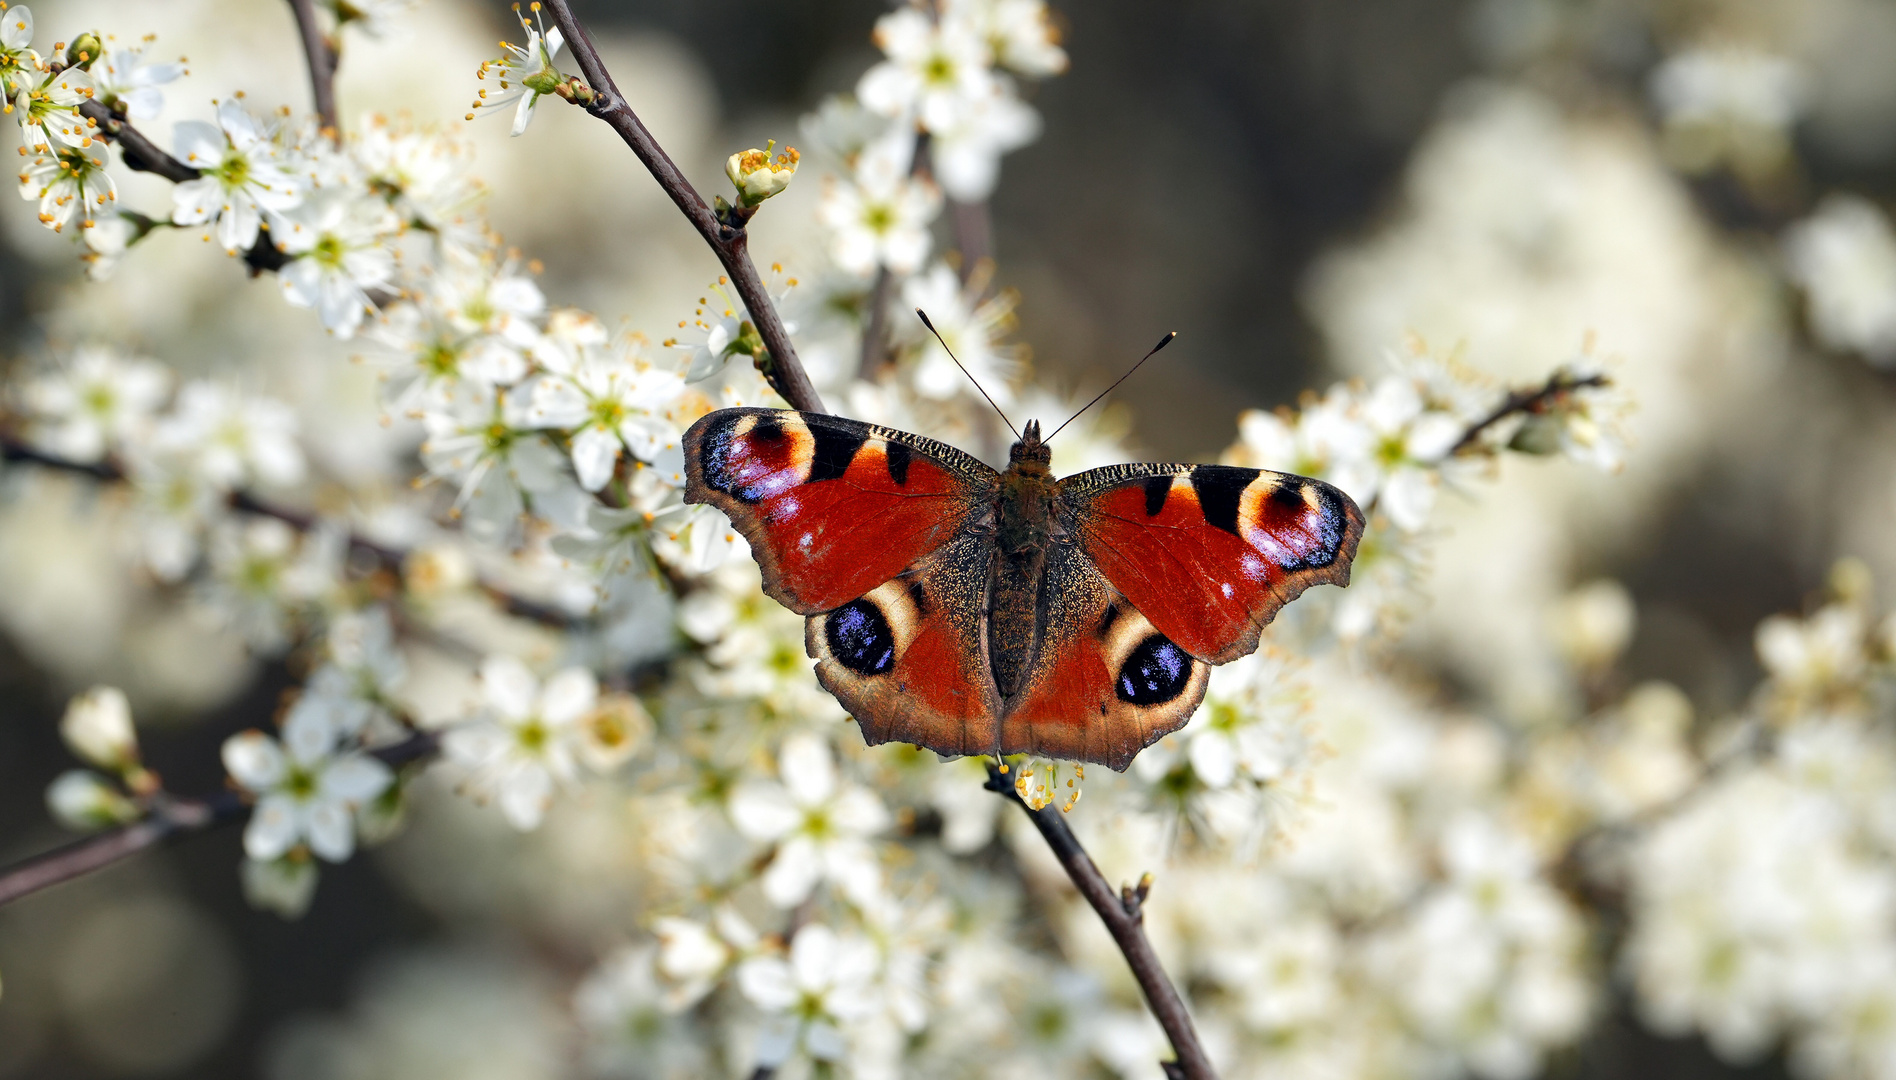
point(1209, 553)
point(1103, 684)
point(831, 507)
point(909, 659)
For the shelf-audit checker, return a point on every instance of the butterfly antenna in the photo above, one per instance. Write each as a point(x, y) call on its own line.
point(1163, 342)
point(965, 371)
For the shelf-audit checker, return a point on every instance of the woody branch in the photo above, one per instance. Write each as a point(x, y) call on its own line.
point(14, 449)
point(1525, 402)
point(1125, 921)
point(169, 818)
point(323, 58)
point(1120, 914)
point(729, 242)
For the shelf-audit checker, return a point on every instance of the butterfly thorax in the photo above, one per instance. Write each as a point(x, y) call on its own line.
point(1024, 525)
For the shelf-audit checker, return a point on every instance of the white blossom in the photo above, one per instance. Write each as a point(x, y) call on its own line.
point(827, 982)
point(1395, 470)
point(95, 403)
point(503, 468)
point(935, 68)
point(524, 74)
point(65, 182)
point(527, 738)
point(231, 439)
point(124, 79)
point(243, 180)
point(607, 401)
point(1844, 256)
point(880, 216)
point(819, 822)
point(49, 111)
point(970, 327)
point(308, 787)
point(341, 254)
point(19, 64)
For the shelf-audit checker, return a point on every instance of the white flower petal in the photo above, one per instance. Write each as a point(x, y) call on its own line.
point(273, 828)
point(254, 760)
point(331, 831)
point(355, 779)
point(509, 687)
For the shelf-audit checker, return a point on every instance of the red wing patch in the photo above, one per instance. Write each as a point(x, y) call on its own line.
point(831, 507)
point(909, 659)
point(1209, 553)
point(1104, 684)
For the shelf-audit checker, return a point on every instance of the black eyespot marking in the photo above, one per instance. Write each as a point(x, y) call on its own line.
point(833, 451)
point(1107, 620)
point(1155, 673)
point(898, 455)
point(918, 596)
point(1219, 489)
point(859, 638)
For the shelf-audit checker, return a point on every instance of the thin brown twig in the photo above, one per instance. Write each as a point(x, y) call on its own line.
point(731, 244)
point(322, 56)
point(143, 155)
point(1123, 915)
point(12, 449)
point(974, 235)
point(139, 152)
point(168, 819)
point(1525, 401)
point(875, 326)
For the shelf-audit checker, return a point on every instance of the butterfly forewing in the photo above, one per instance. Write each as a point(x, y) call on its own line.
point(1209, 553)
point(831, 507)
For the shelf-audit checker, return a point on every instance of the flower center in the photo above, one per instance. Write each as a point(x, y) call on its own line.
point(499, 437)
point(440, 360)
point(607, 413)
point(234, 172)
point(328, 251)
point(532, 736)
point(300, 784)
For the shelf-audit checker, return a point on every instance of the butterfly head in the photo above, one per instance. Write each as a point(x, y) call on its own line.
point(1030, 454)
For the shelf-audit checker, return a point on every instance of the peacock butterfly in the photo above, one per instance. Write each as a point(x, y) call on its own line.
point(970, 611)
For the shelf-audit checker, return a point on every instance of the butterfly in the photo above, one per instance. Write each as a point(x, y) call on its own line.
point(970, 611)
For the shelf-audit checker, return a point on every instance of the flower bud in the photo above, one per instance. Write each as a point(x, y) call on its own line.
point(284, 885)
point(81, 799)
point(83, 50)
point(98, 728)
point(758, 177)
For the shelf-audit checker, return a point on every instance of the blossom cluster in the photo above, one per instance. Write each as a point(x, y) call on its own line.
point(1350, 876)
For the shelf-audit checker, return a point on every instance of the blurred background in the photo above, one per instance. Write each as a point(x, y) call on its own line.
point(1293, 185)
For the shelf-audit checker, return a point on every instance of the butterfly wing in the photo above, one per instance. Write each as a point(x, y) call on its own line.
point(1103, 683)
point(832, 507)
point(909, 659)
point(1209, 553)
